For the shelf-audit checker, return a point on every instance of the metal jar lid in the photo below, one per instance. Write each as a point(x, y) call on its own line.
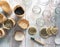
point(9, 23)
point(23, 23)
point(19, 35)
point(32, 30)
point(43, 33)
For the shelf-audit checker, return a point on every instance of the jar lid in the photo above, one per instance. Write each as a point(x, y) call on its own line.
point(8, 24)
point(19, 11)
point(32, 30)
point(19, 36)
point(57, 40)
point(54, 30)
point(23, 23)
point(43, 33)
point(5, 6)
point(36, 9)
point(49, 31)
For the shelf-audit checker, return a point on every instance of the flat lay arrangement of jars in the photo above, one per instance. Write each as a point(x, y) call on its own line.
point(46, 23)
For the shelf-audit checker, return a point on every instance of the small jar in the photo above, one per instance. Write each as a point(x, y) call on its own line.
point(48, 31)
point(19, 11)
point(2, 33)
point(19, 35)
point(57, 10)
point(43, 3)
point(57, 40)
point(9, 23)
point(27, 2)
point(36, 10)
point(32, 30)
point(43, 33)
point(6, 7)
point(2, 18)
point(54, 30)
point(23, 23)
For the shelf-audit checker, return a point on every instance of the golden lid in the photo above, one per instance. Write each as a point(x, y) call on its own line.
point(9, 23)
point(48, 30)
point(32, 30)
point(19, 36)
point(19, 11)
point(6, 7)
point(23, 23)
point(43, 33)
point(54, 30)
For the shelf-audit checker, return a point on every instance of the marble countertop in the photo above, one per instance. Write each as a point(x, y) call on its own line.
point(9, 41)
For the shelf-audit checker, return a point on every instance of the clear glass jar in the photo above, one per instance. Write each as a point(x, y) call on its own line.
point(46, 13)
point(40, 22)
point(43, 2)
point(57, 10)
point(36, 9)
point(27, 2)
point(49, 18)
point(55, 2)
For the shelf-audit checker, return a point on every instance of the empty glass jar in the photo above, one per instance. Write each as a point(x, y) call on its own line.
point(43, 2)
point(27, 2)
point(36, 9)
point(57, 10)
point(40, 22)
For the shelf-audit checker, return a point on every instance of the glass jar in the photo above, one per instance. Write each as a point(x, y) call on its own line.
point(27, 3)
point(36, 9)
point(57, 10)
point(43, 2)
point(40, 22)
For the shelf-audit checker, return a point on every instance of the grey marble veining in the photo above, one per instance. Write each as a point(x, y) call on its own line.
point(9, 41)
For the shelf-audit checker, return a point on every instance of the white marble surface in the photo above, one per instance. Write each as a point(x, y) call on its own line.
point(9, 41)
